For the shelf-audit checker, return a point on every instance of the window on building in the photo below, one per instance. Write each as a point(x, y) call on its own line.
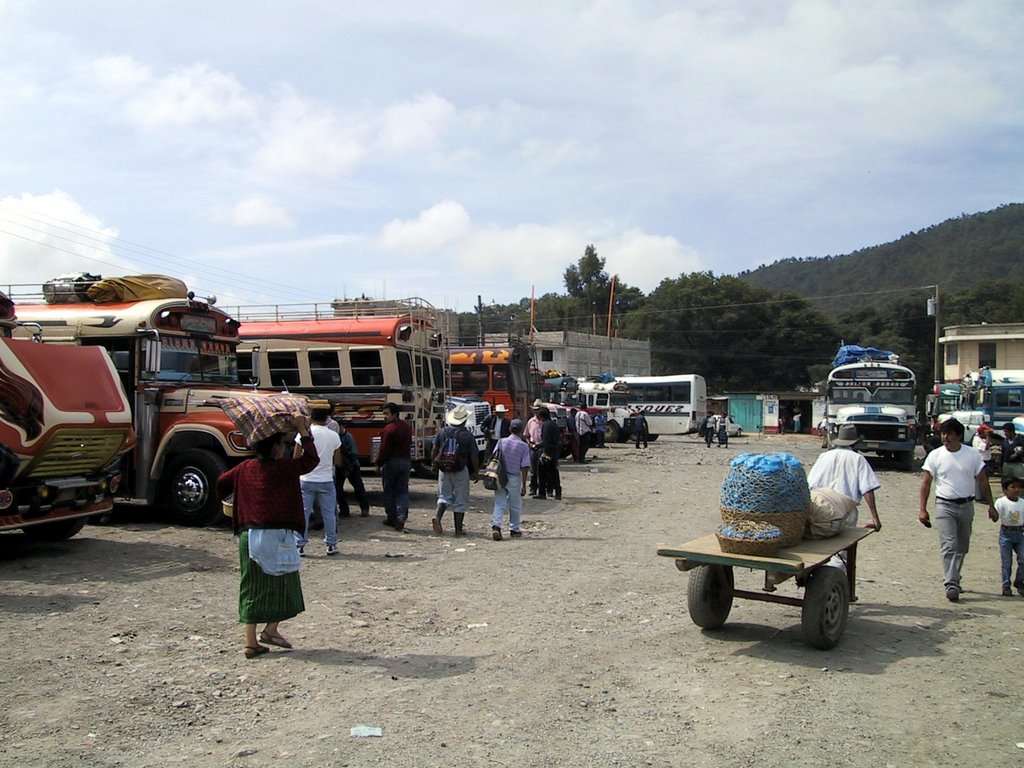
point(547, 355)
point(952, 354)
point(987, 354)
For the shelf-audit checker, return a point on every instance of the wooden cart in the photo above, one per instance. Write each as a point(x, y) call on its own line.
point(828, 591)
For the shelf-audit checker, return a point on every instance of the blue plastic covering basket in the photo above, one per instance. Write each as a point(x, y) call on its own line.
point(770, 488)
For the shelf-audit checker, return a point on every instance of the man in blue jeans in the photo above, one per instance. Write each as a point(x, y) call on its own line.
point(318, 484)
point(394, 460)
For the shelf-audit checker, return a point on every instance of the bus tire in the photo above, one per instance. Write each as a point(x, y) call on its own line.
point(611, 432)
point(191, 489)
point(652, 438)
point(424, 470)
point(59, 530)
point(907, 461)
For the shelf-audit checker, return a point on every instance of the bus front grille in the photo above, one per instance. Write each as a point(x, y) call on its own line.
point(76, 452)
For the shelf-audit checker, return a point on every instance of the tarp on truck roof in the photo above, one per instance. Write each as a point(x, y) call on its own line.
point(851, 353)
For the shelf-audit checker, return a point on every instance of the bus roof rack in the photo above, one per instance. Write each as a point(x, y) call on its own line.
point(339, 308)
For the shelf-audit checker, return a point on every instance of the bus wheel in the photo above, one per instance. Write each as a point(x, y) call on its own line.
point(907, 461)
point(192, 488)
point(59, 530)
point(424, 470)
point(652, 438)
point(611, 432)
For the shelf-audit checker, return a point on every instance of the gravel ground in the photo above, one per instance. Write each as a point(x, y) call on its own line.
point(569, 647)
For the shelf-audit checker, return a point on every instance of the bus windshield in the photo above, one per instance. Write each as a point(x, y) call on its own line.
point(188, 359)
point(885, 396)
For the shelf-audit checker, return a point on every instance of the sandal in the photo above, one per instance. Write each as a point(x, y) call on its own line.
point(277, 640)
point(252, 651)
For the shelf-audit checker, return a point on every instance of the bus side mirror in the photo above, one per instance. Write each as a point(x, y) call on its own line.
point(254, 376)
point(151, 355)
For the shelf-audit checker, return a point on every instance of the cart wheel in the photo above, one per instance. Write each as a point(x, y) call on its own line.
point(709, 595)
point(826, 607)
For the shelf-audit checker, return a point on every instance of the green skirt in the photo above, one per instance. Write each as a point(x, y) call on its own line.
point(263, 598)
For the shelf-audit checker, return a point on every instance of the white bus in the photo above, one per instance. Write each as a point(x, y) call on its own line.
point(672, 405)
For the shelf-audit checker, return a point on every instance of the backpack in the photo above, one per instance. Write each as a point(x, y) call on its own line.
point(449, 458)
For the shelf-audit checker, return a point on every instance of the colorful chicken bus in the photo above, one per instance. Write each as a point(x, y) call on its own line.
point(175, 358)
point(498, 374)
point(358, 355)
point(62, 436)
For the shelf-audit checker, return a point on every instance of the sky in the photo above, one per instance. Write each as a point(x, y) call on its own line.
point(299, 152)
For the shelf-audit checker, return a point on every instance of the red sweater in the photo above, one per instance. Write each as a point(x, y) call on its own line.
point(395, 441)
point(267, 494)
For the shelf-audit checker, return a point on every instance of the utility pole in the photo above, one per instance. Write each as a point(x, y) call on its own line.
point(933, 311)
point(480, 320)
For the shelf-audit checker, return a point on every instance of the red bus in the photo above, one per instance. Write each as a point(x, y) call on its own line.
point(358, 355)
point(497, 374)
point(175, 358)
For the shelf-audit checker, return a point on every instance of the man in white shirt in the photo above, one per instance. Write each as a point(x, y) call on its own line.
point(584, 429)
point(957, 470)
point(318, 486)
point(848, 473)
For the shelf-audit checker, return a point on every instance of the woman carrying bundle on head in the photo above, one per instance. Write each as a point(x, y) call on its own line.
point(267, 513)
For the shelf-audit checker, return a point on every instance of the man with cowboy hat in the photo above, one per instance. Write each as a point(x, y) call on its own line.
point(495, 427)
point(848, 473)
point(531, 434)
point(455, 457)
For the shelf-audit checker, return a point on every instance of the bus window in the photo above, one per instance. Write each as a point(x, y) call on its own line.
point(422, 372)
point(284, 369)
point(476, 378)
point(601, 400)
point(324, 370)
point(245, 367)
point(499, 378)
point(404, 368)
point(680, 392)
point(437, 371)
point(366, 368)
point(1008, 398)
point(460, 379)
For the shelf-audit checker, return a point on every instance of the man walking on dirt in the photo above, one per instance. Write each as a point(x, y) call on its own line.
point(848, 473)
point(394, 460)
point(957, 470)
point(457, 462)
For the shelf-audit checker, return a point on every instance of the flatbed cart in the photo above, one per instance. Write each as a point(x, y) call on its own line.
point(828, 592)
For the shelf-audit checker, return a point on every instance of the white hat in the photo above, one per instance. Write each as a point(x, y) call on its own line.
point(500, 408)
point(457, 415)
point(537, 403)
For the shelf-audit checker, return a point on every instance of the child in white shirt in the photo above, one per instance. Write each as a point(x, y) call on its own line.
point(1009, 512)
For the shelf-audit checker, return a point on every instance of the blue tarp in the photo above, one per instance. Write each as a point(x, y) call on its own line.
point(851, 353)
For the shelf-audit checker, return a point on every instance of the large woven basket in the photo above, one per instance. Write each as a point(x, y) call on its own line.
point(791, 524)
point(768, 488)
point(749, 538)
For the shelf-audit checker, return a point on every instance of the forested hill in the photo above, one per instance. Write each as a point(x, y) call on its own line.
point(956, 254)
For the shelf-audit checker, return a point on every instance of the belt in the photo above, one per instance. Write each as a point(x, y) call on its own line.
point(964, 500)
point(1012, 527)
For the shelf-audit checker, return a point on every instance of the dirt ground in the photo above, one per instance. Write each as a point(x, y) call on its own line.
point(569, 647)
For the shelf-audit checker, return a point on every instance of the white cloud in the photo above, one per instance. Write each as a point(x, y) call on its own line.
point(256, 211)
point(187, 96)
point(417, 125)
point(643, 260)
point(47, 235)
point(431, 230)
point(302, 137)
